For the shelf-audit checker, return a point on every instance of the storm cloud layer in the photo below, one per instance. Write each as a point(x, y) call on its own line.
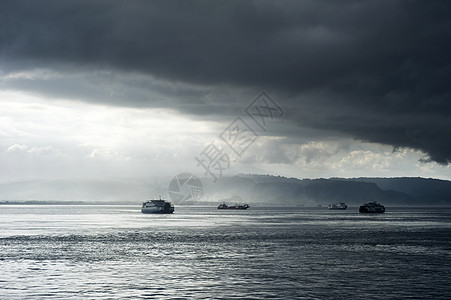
point(377, 71)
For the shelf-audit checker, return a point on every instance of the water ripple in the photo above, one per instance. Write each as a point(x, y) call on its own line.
point(314, 255)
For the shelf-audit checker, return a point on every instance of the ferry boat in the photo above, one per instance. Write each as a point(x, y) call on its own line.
point(225, 206)
point(157, 207)
point(372, 207)
point(339, 205)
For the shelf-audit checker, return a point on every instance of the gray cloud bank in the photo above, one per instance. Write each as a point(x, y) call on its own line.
point(379, 71)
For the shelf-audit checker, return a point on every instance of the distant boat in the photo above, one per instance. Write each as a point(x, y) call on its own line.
point(372, 207)
point(225, 206)
point(157, 207)
point(339, 205)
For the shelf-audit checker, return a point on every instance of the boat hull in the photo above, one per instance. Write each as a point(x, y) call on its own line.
point(155, 211)
point(371, 210)
point(234, 207)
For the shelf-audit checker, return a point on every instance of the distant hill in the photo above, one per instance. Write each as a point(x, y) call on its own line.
point(423, 189)
point(257, 190)
point(276, 190)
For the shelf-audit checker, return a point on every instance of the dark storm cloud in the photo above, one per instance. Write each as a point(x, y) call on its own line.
point(376, 70)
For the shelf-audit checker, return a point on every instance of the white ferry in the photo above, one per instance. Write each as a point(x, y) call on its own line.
point(339, 205)
point(157, 207)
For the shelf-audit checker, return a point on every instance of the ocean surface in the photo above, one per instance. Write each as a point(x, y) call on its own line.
point(115, 252)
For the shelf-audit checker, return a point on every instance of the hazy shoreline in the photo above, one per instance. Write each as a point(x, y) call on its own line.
point(254, 206)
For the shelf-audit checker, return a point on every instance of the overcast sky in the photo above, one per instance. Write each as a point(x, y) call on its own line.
point(96, 89)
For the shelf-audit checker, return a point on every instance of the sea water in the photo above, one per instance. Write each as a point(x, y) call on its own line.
point(116, 252)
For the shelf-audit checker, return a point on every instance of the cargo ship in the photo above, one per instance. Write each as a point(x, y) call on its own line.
point(225, 206)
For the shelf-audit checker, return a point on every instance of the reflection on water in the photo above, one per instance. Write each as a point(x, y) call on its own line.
point(115, 252)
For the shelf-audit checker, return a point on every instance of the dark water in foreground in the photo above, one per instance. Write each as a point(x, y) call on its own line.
point(115, 252)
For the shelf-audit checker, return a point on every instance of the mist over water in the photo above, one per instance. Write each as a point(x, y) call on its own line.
point(115, 252)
